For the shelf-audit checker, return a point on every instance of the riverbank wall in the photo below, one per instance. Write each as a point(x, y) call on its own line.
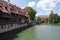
point(10, 27)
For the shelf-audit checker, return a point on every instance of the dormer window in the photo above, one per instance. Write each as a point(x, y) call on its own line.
point(18, 11)
point(0, 6)
point(11, 9)
point(5, 7)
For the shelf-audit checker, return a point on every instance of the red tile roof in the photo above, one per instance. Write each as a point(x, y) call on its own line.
point(43, 16)
point(10, 8)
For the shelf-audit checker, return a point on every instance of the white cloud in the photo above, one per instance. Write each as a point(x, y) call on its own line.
point(47, 5)
point(31, 4)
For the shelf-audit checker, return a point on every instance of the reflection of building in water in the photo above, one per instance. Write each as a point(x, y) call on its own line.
point(11, 16)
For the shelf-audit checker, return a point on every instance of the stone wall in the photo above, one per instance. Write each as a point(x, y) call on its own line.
point(9, 27)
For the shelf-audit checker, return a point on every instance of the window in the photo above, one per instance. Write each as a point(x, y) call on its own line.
point(19, 19)
point(5, 26)
point(5, 7)
point(8, 26)
point(2, 27)
point(11, 25)
point(11, 9)
point(16, 14)
point(0, 6)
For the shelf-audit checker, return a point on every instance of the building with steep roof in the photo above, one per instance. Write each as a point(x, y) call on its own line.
point(43, 17)
point(11, 16)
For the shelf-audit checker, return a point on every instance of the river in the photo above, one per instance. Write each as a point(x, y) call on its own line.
point(37, 32)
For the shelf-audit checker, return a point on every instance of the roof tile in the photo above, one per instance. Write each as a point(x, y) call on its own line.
point(10, 8)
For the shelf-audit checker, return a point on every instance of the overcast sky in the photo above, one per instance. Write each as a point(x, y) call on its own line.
point(43, 7)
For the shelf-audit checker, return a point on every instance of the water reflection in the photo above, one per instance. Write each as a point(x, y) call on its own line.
point(47, 32)
point(37, 32)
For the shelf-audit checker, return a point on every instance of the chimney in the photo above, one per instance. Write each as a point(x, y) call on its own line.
point(8, 1)
point(8, 5)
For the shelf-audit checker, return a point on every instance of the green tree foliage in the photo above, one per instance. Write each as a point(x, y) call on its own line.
point(56, 18)
point(38, 19)
point(31, 12)
point(53, 18)
point(59, 18)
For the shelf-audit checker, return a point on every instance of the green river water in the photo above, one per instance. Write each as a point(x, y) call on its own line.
point(37, 32)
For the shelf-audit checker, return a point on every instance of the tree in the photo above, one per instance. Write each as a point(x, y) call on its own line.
point(59, 18)
point(56, 18)
point(31, 12)
point(38, 19)
point(53, 18)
